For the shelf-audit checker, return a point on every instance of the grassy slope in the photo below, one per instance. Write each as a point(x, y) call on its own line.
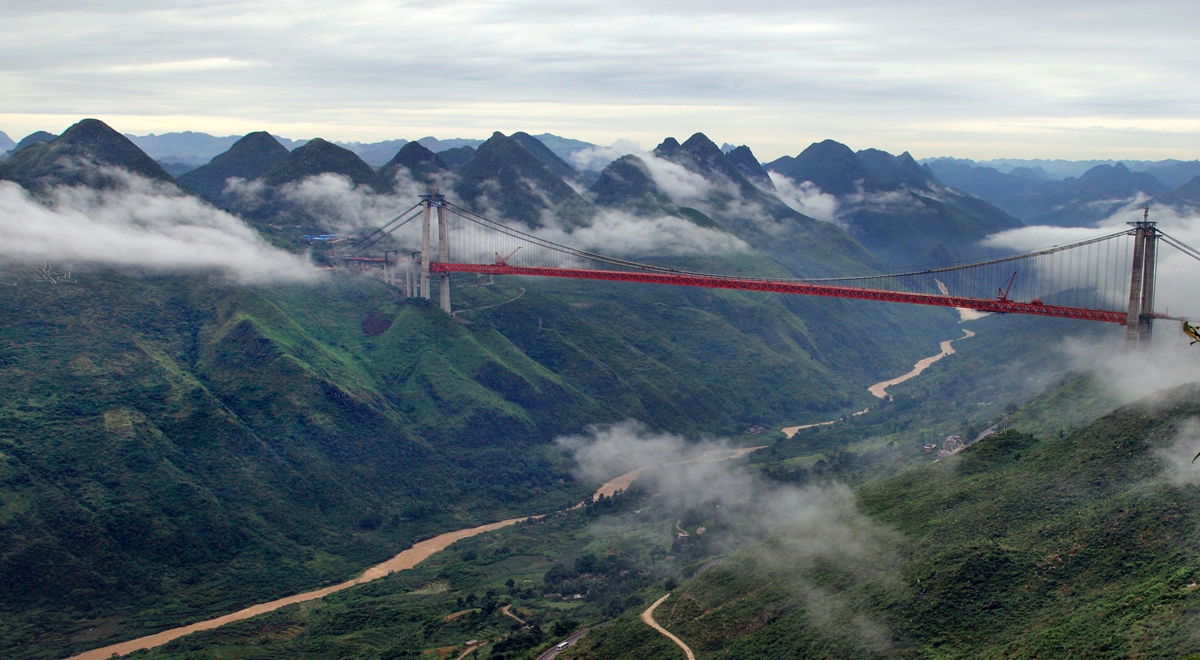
point(428, 608)
point(176, 447)
point(1018, 547)
point(744, 595)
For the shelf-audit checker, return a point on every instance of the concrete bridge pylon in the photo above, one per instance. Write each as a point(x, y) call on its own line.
point(1139, 321)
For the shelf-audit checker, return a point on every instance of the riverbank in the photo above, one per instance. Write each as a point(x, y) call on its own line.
point(880, 389)
point(403, 561)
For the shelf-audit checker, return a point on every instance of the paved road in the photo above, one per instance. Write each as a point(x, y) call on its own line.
point(554, 651)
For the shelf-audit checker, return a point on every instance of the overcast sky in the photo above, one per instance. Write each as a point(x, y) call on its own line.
point(1016, 78)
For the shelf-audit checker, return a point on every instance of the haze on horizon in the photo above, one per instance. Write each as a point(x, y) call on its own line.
point(991, 80)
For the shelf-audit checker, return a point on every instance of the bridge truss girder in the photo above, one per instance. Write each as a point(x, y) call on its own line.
point(796, 288)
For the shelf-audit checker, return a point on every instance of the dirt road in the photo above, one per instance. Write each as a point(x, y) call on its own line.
point(507, 611)
point(648, 619)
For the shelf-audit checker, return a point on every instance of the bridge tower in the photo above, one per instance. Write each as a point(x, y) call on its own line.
point(1139, 323)
point(430, 201)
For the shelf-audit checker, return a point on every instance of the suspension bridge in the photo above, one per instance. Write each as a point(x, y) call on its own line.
point(1109, 279)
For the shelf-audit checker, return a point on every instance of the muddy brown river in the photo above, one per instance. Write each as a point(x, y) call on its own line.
point(401, 562)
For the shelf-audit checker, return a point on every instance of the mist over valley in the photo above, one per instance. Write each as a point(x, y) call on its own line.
point(599, 332)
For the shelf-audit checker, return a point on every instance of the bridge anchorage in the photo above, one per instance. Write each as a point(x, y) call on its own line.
point(1109, 278)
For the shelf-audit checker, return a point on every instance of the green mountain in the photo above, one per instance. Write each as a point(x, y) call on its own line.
point(562, 147)
point(626, 184)
point(269, 204)
point(895, 207)
point(806, 246)
point(375, 154)
point(317, 157)
point(174, 447)
point(187, 147)
point(33, 138)
point(1085, 201)
point(1173, 173)
point(175, 169)
point(421, 164)
point(6, 142)
point(1014, 194)
point(456, 157)
point(504, 179)
point(70, 159)
point(745, 162)
point(1186, 196)
point(893, 171)
point(559, 167)
point(1020, 546)
point(1073, 202)
point(249, 158)
point(831, 166)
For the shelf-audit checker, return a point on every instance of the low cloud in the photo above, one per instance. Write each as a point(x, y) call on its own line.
point(1179, 468)
point(807, 198)
point(716, 197)
point(620, 234)
point(1177, 273)
point(1169, 361)
point(595, 159)
point(335, 202)
point(1131, 375)
point(137, 223)
point(783, 531)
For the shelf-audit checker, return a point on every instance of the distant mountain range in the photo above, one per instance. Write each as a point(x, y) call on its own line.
point(1031, 195)
point(1171, 172)
point(193, 149)
point(894, 206)
point(905, 213)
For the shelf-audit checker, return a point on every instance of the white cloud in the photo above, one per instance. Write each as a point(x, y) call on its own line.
point(1180, 465)
point(807, 198)
point(1129, 376)
point(140, 224)
point(619, 234)
point(785, 531)
point(340, 205)
point(1177, 273)
point(595, 159)
point(185, 66)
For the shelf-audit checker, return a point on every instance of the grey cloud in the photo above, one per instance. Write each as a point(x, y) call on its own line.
point(774, 75)
point(807, 198)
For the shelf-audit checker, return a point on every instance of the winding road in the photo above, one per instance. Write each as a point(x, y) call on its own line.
point(648, 619)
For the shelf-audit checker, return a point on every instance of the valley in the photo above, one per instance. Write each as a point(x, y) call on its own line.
point(219, 440)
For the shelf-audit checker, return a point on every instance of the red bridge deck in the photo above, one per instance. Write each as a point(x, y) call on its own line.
point(785, 286)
